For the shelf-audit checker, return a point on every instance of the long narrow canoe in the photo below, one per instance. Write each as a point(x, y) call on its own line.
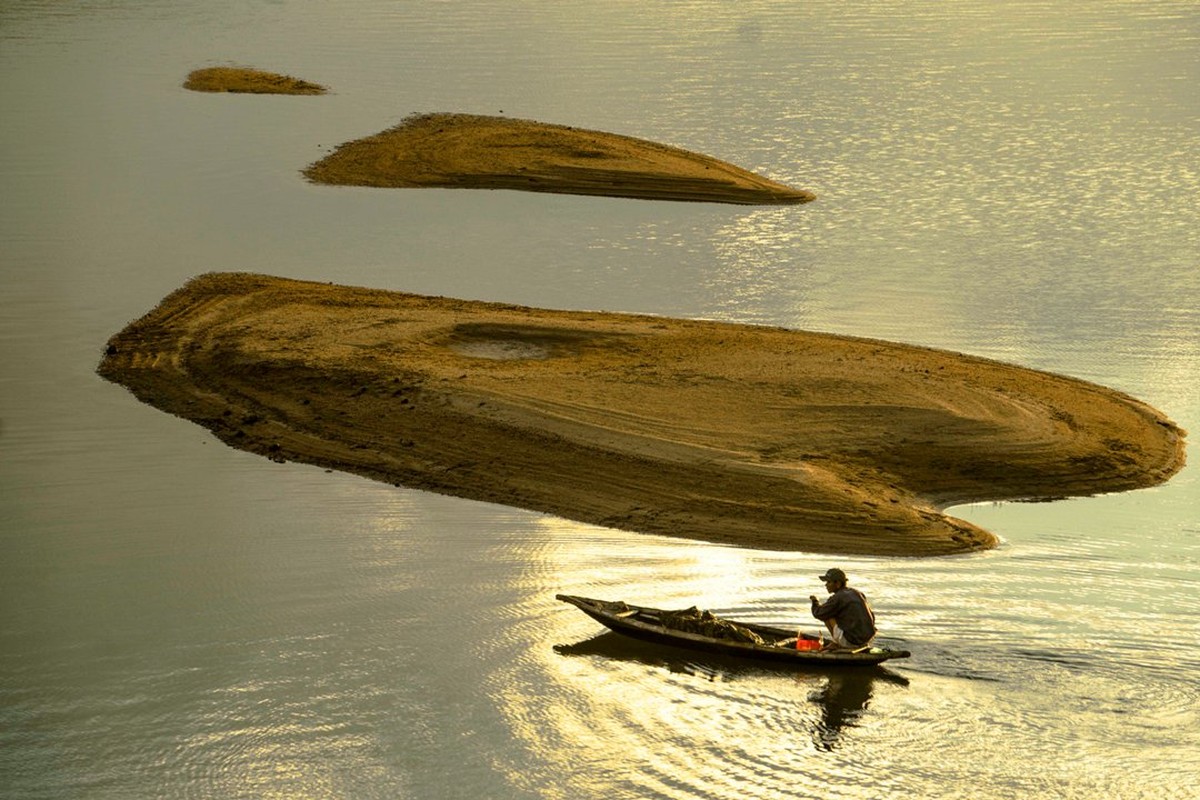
point(779, 644)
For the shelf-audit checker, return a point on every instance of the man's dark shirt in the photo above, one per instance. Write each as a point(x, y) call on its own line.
point(853, 614)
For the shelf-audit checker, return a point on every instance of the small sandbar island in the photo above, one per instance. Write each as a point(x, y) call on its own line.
point(246, 80)
point(469, 151)
point(754, 436)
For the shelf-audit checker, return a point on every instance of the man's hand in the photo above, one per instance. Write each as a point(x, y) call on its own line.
point(812, 598)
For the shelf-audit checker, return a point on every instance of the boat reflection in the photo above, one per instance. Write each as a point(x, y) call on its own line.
point(841, 693)
point(843, 700)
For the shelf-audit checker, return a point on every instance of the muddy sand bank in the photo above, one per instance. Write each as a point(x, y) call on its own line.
point(470, 151)
point(753, 436)
point(247, 80)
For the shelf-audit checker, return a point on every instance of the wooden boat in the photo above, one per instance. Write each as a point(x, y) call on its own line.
point(777, 644)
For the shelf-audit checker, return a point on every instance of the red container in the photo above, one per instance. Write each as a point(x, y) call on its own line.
point(808, 644)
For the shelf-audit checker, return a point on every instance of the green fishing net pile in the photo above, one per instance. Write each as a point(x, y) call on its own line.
point(693, 620)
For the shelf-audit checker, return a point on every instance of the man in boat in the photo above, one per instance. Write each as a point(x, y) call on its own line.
point(846, 612)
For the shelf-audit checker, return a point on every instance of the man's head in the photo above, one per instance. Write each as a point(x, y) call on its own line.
point(834, 578)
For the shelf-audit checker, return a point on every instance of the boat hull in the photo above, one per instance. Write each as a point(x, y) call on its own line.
point(641, 622)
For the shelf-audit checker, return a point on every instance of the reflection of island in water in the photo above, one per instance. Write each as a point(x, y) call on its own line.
point(842, 693)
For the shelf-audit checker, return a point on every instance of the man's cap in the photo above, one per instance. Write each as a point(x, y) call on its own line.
point(834, 574)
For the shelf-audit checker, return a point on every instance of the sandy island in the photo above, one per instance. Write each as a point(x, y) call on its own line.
point(486, 152)
point(753, 436)
point(249, 81)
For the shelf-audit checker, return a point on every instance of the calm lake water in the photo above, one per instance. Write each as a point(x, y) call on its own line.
point(1017, 180)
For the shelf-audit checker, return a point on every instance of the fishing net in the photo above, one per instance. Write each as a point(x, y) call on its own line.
point(693, 620)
